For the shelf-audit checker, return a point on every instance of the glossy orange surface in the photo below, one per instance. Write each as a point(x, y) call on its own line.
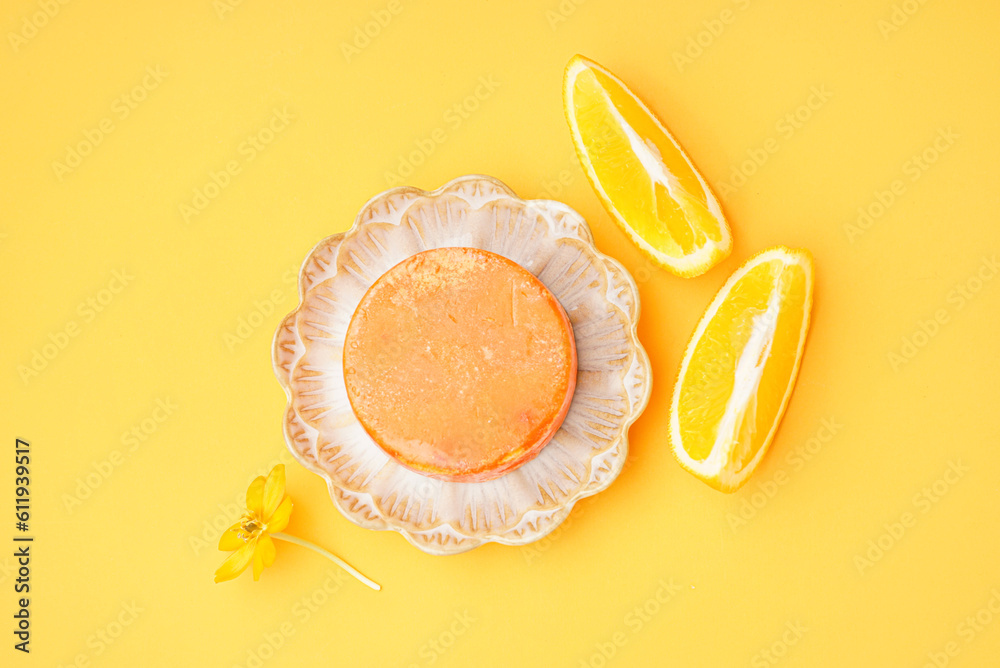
point(460, 364)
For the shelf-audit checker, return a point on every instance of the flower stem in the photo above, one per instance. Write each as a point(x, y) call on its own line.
point(329, 555)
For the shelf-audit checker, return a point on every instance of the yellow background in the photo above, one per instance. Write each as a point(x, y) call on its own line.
point(128, 560)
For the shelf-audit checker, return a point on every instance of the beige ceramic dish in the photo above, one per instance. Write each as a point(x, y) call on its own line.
point(585, 455)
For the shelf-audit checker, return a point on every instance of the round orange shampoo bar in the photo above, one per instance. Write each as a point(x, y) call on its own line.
point(460, 364)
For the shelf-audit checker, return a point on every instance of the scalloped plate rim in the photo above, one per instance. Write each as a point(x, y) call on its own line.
point(566, 507)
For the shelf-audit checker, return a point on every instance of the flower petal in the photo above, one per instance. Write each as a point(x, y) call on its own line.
point(236, 563)
point(258, 565)
point(274, 490)
point(255, 496)
point(265, 548)
point(231, 539)
point(279, 520)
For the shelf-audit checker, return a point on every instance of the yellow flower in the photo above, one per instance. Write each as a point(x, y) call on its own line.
point(252, 538)
point(268, 510)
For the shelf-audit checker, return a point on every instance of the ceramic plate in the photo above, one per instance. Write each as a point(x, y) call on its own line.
point(584, 456)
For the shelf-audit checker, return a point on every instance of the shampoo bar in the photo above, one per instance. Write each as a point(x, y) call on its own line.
point(460, 364)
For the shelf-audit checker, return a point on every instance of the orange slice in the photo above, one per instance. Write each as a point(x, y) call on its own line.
point(740, 367)
point(643, 177)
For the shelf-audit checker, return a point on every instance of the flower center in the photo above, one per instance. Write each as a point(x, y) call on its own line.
point(250, 526)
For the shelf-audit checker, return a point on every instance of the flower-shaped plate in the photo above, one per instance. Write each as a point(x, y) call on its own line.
point(584, 456)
